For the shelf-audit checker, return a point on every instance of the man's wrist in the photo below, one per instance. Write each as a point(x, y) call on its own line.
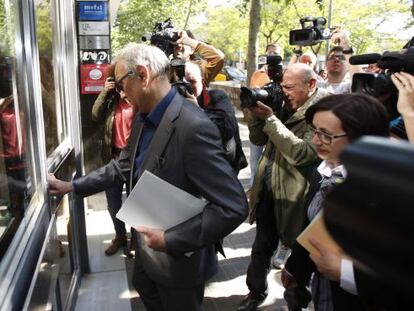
point(191, 42)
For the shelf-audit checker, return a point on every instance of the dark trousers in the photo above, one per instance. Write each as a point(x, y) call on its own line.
point(157, 297)
point(265, 244)
point(114, 199)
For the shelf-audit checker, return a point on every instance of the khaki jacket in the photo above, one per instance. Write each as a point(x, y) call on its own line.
point(294, 152)
point(212, 61)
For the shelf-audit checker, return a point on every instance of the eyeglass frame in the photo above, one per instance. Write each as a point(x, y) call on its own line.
point(118, 84)
point(325, 138)
point(339, 57)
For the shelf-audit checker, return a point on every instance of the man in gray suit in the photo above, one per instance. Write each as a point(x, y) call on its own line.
point(175, 140)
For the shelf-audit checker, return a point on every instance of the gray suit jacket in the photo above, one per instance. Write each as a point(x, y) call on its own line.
point(187, 152)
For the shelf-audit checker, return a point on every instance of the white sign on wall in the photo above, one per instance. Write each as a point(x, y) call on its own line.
point(93, 28)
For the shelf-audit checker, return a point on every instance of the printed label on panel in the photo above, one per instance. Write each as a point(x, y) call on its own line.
point(93, 11)
point(93, 28)
point(94, 42)
point(93, 78)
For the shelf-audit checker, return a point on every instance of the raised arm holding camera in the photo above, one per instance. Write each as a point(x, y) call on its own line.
point(211, 61)
point(404, 82)
point(337, 63)
point(339, 71)
point(182, 45)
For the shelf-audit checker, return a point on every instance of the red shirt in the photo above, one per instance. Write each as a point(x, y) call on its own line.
point(11, 147)
point(121, 129)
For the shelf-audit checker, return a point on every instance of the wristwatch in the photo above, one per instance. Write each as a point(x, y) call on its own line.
point(348, 51)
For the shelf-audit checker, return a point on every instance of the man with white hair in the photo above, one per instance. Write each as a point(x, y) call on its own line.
point(176, 141)
point(277, 200)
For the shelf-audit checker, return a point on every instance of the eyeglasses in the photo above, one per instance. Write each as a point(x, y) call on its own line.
point(118, 84)
point(326, 138)
point(337, 56)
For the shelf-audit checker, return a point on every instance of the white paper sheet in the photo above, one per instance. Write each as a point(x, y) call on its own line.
point(155, 203)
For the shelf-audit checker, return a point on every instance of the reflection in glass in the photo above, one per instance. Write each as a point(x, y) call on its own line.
point(66, 251)
point(56, 268)
point(15, 171)
point(50, 99)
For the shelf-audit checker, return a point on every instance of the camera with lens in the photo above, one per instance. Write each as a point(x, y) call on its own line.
point(270, 94)
point(178, 72)
point(313, 32)
point(380, 85)
point(162, 35)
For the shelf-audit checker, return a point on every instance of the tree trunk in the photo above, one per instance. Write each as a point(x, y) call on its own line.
point(254, 27)
point(412, 9)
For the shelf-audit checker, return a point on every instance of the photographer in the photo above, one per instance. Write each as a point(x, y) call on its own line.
point(280, 186)
point(218, 107)
point(188, 48)
point(260, 76)
point(259, 79)
point(337, 64)
point(404, 82)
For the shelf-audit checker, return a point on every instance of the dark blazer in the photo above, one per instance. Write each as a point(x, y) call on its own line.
point(301, 266)
point(187, 152)
point(220, 110)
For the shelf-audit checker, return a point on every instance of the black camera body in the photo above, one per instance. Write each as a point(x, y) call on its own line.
point(274, 66)
point(271, 94)
point(310, 34)
point(163, 34)
point(380, 85)
point(178, 71)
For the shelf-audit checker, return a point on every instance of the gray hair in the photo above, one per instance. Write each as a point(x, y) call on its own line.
point(140, 54)
point(304, 71)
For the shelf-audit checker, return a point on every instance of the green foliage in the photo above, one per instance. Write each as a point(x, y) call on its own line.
point(367, 21)
point(137, 17)
point(7, 31)
point(227, 30)
point(44, 29)
point(363, 19)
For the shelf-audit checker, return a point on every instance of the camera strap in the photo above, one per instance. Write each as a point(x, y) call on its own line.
point(205, 97)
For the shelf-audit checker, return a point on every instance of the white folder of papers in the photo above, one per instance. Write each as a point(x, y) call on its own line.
point(155, 203)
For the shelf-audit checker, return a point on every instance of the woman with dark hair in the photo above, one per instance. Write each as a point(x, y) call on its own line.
point(337, 121)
